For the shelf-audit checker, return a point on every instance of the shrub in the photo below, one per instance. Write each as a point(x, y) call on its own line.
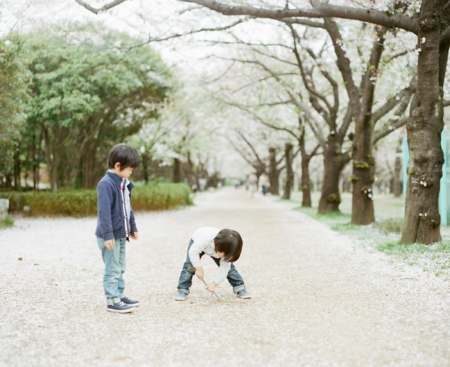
point(81, 203)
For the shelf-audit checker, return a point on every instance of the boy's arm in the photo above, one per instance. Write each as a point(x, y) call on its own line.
point(133, 227)
point(222, 273)
point(194, 256)
point(104, 198)
point(134, 231)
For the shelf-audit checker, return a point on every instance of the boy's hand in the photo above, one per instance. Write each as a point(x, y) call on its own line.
point(110, 244)
point(199, 273)
point(134, 235)
point(211, 287)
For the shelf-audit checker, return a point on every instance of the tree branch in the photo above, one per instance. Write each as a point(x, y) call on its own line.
point(389, 128)
point(314, 95)
point(307, 23)
point(251, 148)
point(177, 35)
point(395, 100)
point(320, 10)
point(344, 66)
point(102, 9)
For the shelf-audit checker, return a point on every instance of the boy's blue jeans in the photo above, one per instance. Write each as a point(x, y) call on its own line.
point(115, 264)
point(185, 281)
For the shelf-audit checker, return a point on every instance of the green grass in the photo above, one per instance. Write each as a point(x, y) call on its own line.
point(384, 235)
point(8, 222)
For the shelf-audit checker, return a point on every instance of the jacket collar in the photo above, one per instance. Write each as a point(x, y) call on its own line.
point(118, 179)
point(115, 177)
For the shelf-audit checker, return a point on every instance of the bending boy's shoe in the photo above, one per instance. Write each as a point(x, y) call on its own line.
point(243, 294)
point(130, 302)
point(180, 296)
point(120, 307)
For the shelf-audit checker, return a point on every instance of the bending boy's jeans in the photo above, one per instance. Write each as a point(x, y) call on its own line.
point(115, 264)
point(185, 281)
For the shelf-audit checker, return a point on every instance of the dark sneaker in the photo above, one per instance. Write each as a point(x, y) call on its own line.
point(130, 302)
point(119, 307)
point(243, 294)
point(180, 296)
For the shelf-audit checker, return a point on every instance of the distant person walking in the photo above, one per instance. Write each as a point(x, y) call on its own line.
point(252, 183)
point(264, 183)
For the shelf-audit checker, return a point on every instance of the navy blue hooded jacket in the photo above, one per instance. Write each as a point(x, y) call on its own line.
point(110, 222)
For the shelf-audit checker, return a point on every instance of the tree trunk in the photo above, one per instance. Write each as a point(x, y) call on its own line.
point(273, 172)
point(52, 165)
point(176, 170)
point(16, 146)
point(422, 218)
point(362, 203)
point(306, 184)
point(87, 174)
point(333, 163)
point(36, 152)
point(346, 185)
point(305, 181)
point(363, 212)
point(289, 171)
point(189, 174)
point(144, 164)
point(90, 173)
point(54, 178)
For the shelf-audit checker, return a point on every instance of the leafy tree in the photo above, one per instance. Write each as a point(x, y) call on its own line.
point(89, 91)
point(13, 79)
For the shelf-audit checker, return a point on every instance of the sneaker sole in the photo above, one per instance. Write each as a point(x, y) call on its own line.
point(245, 297)
point(120, 311)
point(135, 305)
point(180, 299)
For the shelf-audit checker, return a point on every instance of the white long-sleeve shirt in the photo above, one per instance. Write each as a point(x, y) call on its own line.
point(203, 239)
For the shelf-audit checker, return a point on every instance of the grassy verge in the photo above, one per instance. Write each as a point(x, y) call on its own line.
point(384, 235)
point(7, 222)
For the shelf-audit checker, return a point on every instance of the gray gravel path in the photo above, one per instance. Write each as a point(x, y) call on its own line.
point(317, 299)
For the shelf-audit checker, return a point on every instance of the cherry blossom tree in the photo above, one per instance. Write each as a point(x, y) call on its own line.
point(429, 20)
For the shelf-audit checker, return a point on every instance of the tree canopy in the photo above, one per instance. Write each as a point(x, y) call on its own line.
point(89, 89)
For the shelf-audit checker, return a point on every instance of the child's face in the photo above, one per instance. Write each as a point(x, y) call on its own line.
point(221, 254)
point(125, 173)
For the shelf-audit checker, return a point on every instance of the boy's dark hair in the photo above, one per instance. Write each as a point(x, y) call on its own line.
point(124, 154)
point(229, 242)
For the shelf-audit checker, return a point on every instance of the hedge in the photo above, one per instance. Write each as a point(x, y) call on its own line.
point(82, 203)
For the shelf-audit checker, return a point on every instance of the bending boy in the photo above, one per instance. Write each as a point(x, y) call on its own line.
point(224, 247)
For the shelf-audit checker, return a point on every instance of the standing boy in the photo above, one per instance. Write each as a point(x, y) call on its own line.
point(116, 224)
